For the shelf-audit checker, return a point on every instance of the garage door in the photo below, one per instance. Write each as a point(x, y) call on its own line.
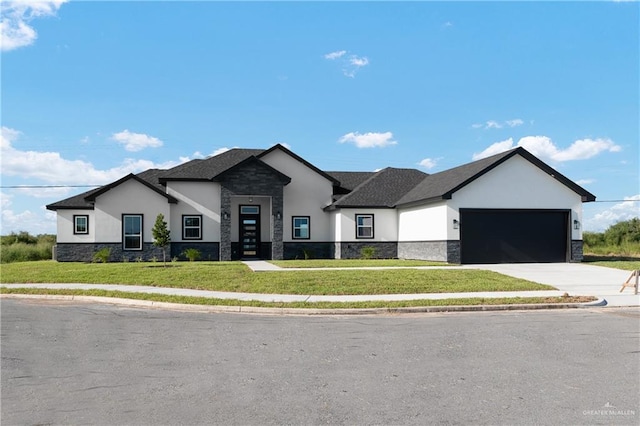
point(513, 236)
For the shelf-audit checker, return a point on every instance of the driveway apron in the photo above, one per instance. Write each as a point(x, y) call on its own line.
point(573, 278)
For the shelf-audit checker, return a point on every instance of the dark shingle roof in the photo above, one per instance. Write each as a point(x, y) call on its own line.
point(381, 189)
point(209, 167)
point(349, 180)
point(442, 185)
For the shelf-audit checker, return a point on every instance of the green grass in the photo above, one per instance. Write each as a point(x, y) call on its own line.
point(22, 252)
point(236, 277)
point(627, 263)
point(316, 305)
point(353, 263)
point(627, 248)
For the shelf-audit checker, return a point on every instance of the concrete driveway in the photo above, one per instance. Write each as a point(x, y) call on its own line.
point(574, 278)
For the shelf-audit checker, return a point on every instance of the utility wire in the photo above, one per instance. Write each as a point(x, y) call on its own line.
point(95, 186)
point(49, 186)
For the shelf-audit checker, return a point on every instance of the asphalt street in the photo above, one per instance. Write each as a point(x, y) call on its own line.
point(81, 363)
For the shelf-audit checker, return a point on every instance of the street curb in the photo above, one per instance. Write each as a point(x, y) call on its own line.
point(304, 311)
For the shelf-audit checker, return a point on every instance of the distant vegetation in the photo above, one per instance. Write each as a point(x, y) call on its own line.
point(23, 247)
point(620, 240)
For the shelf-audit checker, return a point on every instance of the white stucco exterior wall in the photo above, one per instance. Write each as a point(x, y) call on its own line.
point(306, 195)
point(516, 184)
point(423, 223)
point(195, 198)
point(130, 197)
point(65, 226)
point(385, 225)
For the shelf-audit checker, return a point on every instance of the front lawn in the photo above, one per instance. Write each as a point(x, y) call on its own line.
point(625, 263)
point(236, 277)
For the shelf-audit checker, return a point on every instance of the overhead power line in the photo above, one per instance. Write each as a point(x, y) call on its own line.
point(95, 186)
point(48, 186)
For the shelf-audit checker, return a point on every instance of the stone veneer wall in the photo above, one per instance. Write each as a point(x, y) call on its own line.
point(83, 252)
point(252, 179)
point(315, 250)
point(208, 251)
point(438, 251)
point(352, 250)
point(577, 253)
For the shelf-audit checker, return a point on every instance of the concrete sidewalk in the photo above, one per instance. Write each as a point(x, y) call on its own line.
point(576, 279)
point(284, 297)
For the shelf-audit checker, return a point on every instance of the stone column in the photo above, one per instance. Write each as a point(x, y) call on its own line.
point(277, 205)
point(225, 224)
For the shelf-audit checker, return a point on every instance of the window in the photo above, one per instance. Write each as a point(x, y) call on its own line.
point(249, 209)
point(364, 226)
point(192, 227)
point(301, 227)
point(80, 224)
point(132, 231)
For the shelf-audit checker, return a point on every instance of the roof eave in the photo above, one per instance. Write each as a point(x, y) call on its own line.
point(55, 208)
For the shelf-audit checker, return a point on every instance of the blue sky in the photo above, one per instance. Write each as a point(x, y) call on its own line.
point(92, 91)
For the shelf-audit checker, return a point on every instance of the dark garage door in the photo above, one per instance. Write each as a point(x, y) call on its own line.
point(513, 236)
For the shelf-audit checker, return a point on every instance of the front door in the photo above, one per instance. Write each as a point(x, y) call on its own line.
point(249, 232)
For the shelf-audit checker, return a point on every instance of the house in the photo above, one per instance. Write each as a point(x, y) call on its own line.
point(273, 204)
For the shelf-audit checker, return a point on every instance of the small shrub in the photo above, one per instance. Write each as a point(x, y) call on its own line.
point(308, 254)
point(102, 255)
point(367, 252)
point(174, 259)
point(192, 254)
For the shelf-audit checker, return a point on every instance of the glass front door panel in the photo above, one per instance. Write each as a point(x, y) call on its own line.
point(250, 232)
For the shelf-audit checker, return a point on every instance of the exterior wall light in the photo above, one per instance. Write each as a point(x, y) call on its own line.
point(225, 216)
point(456, 224)
point(576, 224)
point(278, 216)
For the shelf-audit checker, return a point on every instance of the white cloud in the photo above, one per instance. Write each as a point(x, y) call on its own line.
point(354, 64)
point(5, 200)
point(493, 124)
point(428, 163)
point(447, 24)
point(369, 140)
point(586, 148)
point(52, 168)
point(25, 221)
point(494, 149)
point(136, 141)
point(585, 181)
point(544, 148)
point(16, 17)
point(335, 55)
point(351, 64)
point(619, 212)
